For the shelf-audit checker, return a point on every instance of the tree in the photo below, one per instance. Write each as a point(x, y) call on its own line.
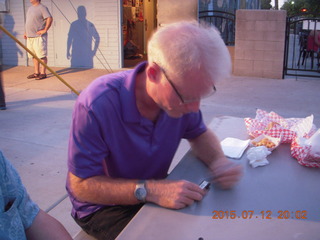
point(276, 4)
point(305, 7)
point(266, 4)
point(314, 7)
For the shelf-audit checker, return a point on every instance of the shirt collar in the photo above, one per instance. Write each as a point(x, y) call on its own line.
point(130, 111)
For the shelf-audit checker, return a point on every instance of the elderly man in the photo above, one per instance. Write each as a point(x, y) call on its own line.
point(127, 126)
point(38, 22)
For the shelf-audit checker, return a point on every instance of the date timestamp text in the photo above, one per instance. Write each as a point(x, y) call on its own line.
point(268, 214)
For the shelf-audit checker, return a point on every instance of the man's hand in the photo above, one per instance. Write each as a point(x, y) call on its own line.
point(208, 149)
point(41, 32)
point(226, 173)
point(173, 194)
point(49, 21)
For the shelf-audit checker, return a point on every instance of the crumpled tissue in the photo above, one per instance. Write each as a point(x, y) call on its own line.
point(257, 156)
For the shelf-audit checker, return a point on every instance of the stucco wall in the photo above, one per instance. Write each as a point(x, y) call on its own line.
point(259, 43)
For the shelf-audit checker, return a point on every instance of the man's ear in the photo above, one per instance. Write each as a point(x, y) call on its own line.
point(153, 72)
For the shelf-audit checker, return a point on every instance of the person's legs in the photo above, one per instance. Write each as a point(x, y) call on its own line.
point(42, 68)
point(30, 46)
point(36, 66)
point(2, 96)
point(107, 223)
point(42, 49)
point(39, 47)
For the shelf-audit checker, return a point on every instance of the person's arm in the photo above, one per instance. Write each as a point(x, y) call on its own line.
point(38, 224)
point(49, 21)
point(107, 191)
point(46, 227)
point(207, 148)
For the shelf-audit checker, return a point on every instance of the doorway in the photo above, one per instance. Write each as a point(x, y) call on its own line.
point(138, 23)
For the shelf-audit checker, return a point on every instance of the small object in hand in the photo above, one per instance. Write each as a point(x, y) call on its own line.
point(204, 185)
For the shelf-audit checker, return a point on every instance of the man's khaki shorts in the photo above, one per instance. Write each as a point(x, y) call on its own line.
point(38, 46)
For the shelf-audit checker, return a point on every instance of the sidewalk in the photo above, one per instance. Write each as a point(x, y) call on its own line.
point(34, 129)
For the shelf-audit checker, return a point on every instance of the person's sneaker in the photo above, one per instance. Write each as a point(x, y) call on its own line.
point(41, 76)
point(34, 75)
point(3, 107)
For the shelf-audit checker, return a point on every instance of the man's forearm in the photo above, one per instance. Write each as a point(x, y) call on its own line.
point(49, 21)
point(103, 190)
point(107, 191)
point(207, 147)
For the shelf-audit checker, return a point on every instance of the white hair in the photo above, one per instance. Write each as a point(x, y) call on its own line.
point(183, 47)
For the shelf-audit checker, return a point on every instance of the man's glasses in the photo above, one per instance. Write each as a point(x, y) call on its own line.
point(185, 101)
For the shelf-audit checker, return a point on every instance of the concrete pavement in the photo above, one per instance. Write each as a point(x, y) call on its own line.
point(34, 129)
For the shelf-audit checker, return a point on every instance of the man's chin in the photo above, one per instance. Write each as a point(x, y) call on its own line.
point(175, 114)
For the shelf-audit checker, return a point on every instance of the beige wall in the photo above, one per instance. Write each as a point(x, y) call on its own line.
point(173, 11)
point(259, 43)
point(231, 52)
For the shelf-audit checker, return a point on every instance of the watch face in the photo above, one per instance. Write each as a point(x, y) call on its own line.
point(141, 194)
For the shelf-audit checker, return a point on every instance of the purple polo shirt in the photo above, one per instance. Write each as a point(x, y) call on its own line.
point(110, 137)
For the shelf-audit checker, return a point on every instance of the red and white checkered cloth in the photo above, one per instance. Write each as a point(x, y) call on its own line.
point(302, 154)
point(288, 129)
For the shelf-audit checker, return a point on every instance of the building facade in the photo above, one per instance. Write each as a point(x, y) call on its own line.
point(83, 34)
point(101, 33)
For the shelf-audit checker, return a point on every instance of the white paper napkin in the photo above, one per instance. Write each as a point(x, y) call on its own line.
point(234, 147)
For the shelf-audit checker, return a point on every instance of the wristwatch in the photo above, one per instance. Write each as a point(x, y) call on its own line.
point(140, 192)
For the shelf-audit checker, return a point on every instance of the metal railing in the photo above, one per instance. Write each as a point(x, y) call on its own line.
point(223, 21)
point(302, 55)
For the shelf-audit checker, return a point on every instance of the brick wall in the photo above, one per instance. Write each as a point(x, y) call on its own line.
point(259, 43)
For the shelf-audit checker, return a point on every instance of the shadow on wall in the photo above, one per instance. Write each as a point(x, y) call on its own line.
point(83, 41)
point(9, 45)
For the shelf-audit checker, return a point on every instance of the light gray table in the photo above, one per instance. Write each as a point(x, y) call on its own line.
point(282, 189)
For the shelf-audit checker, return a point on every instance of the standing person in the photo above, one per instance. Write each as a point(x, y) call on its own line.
point(127, 126)
point(38, 22)
point(313, 45)
point(20, 217)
